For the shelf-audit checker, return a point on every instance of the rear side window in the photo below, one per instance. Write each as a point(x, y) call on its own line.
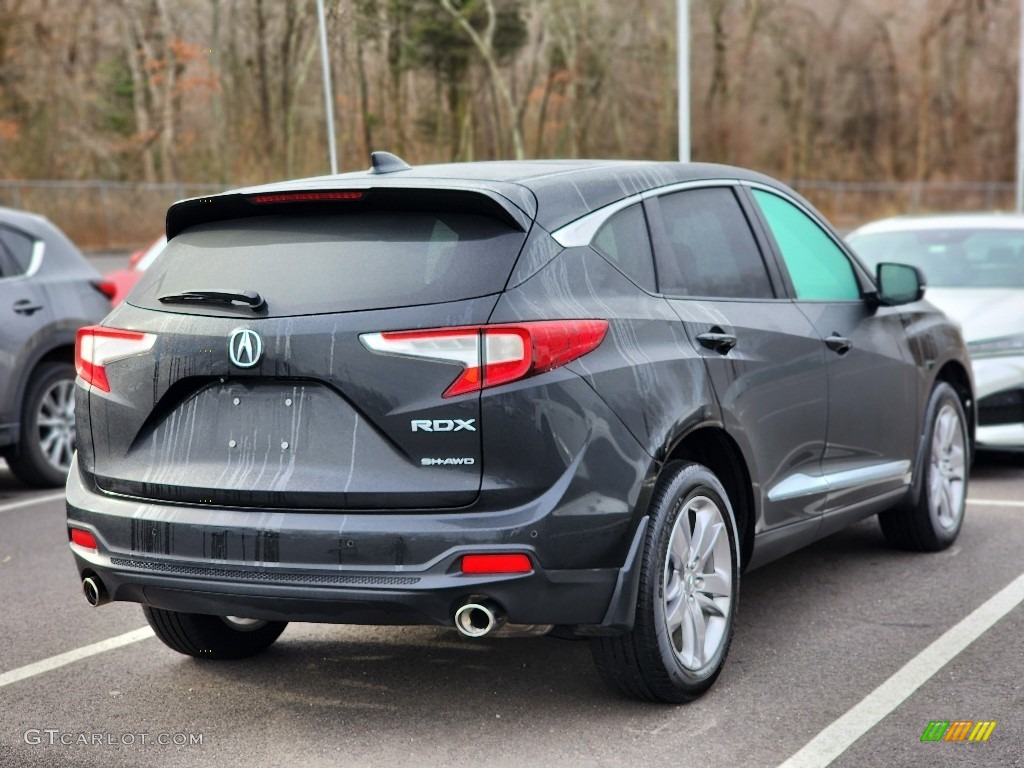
point(315, 263)
point(714, 253)
point(17, 248)
point(819, 269)
point(625, 243)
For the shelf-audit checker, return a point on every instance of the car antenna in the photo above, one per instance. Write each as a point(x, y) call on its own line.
point(385, 162)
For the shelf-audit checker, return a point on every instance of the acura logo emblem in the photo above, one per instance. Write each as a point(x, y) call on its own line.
point(245, 348)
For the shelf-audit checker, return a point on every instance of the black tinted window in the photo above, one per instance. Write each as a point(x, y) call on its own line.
point(18, 249)
point(307, 264)
point(713, 250)
point(624, 241)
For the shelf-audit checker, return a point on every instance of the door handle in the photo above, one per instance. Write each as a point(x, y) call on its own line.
point(839, 344)
point(721, 343)
point(26, 307)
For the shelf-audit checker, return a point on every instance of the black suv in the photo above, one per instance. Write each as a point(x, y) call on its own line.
point(47, 292)
point(577, 394)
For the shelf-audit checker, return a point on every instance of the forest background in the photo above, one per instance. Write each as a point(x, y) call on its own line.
point(839, 97)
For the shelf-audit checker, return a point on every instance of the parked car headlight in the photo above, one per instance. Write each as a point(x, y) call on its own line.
point(1004, 345)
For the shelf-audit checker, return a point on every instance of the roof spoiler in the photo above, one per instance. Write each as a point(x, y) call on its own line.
point(267, 201)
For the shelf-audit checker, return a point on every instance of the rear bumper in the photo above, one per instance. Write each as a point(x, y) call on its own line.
point(352, 569)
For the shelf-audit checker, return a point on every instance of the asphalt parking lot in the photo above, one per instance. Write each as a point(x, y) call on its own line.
point(818, 633)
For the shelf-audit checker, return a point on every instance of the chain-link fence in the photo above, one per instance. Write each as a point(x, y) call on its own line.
point(112, 215)
point(849, 204)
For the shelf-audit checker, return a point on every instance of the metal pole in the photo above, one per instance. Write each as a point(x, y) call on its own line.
point(328, 91)
point(683, 67)
point(1020, 117)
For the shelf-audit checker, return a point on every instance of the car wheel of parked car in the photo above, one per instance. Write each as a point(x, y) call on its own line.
point(689, 585)
point(47, 441)
point(213, 637)
point(932, 519)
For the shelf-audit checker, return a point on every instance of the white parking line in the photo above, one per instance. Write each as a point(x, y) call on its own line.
point(996, 503)
point(841, 735)
point(30, 501)
point(54, 662)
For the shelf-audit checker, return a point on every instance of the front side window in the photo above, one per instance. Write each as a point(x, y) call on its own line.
point(713, 251)
point(819, 269)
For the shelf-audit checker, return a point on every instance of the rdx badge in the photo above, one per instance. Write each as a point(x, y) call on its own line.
point(443, 425)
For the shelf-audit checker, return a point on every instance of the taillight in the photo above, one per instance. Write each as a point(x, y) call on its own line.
point(495, 354)
point(107, 287)
point(96, 346)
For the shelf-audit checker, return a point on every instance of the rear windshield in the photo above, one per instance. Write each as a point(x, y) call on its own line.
point(315, 263)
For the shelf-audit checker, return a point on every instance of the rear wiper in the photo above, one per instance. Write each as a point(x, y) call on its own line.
point(218, 296)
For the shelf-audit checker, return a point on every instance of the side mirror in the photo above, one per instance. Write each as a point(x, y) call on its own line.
point(899, 284)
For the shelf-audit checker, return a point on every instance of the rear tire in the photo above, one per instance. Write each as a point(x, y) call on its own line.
point(47, 435)
point(212, 637)
point(689, 586)
point(931, 520)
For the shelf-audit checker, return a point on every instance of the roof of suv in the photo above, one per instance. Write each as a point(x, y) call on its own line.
point(537, 187)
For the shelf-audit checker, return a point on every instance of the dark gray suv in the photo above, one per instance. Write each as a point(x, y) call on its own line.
point(47, 292)
point(583, 396)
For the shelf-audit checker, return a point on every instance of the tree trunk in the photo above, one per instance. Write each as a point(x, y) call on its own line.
point(485, 46)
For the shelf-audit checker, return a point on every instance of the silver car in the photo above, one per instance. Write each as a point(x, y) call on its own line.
point(47, 292)
point(974, 266)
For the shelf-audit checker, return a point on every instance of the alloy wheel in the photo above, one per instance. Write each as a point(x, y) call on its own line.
point(947, 471)
point(55, 419)
point(697, 585)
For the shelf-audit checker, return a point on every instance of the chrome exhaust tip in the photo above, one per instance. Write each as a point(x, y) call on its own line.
point(478, 619)
point(95, 594)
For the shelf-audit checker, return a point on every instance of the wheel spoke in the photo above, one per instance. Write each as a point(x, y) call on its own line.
point(709, 607)
point(704, 541)
point(716, 584)
point(934, 482)
point(46, 443)
point(52, 400)
point(674, 615)
point(698, 627)
point(54, 451)
point(943, 430)
point(947, 505)
point(681, 543)
point(674, 587)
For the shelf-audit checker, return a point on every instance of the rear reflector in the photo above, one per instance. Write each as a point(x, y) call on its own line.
point(306, 197)
point(83, 538)
point(96, 346)
point(517, 563)
point(495, 354)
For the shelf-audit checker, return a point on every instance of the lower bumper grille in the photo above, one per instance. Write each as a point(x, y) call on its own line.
point(1001, 408)
point(352, 580)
